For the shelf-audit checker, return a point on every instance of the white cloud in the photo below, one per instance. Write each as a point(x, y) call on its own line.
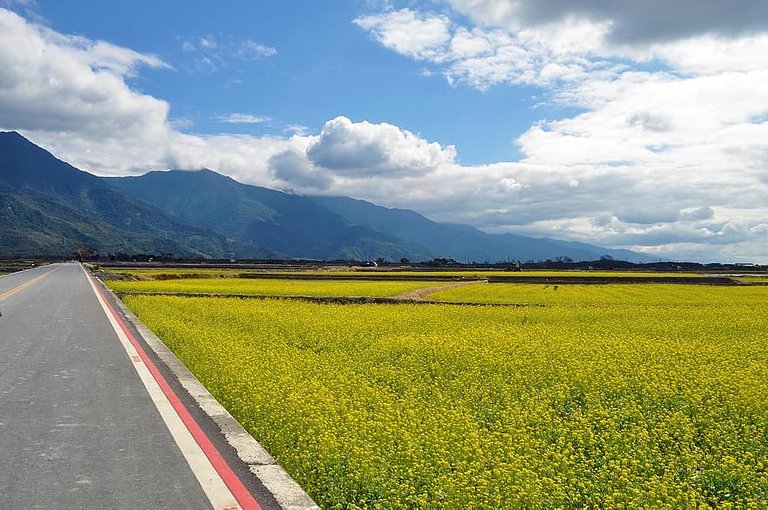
point(28, 7)
point(513, 44)
point(698, 213)
point(672, 127)
point(293, 168)
point(54, 82)
point(713, 54)
point(483, 56)
point(630, 22)
point(242, 118)
point(296, 129)
point(213, 53)
point(365, 149)
point(249, 50)
point(648, 216)
point(70, 94)
point(673, 162)
point(409, 33)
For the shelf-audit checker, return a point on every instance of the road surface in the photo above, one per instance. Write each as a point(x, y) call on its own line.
point(78, 425)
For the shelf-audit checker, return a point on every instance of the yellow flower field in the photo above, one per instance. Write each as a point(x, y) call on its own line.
point(267, 287)
point(600, 295)
point(655, 399)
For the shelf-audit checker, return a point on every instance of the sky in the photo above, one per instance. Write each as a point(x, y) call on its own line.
point(638, 125)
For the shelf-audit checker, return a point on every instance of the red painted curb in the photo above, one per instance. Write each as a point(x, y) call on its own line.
point(231, 480)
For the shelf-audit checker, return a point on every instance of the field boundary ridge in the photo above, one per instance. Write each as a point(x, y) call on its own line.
point(339, 300)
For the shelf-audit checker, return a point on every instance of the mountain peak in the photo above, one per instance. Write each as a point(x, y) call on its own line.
point(25, 164)
point(14, 139)
point(11, 135)
point(174, 173)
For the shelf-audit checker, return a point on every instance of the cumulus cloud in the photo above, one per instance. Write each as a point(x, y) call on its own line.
point(651, 20)
point(648, 216)
point(650, 122)
point(698, 214)
point(70, 94)
point(55, 82)
point(407, 32)
point(365, 149)
point(672, 162)
point(293, 167)
point(671, 112)
point(486, 56)
point(296, 129)
point(527, 42)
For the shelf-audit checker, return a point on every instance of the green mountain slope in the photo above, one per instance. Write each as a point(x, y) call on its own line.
point(291, 224)
point(334, 227)
point(51, 208)
point(462, 242)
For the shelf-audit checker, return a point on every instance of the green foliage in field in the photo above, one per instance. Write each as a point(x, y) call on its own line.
point(659, 403)
point(753, 279)
point(268, 287)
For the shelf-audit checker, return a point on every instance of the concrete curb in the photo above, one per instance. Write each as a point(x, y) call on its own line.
point(288, 494)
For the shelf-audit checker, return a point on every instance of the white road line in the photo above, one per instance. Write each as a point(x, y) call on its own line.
point(214, 487)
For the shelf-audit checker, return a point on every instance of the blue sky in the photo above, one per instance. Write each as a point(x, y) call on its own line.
point(324, 66)
point(584, 120)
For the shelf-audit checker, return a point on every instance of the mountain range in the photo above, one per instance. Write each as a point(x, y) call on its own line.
point(52, 208)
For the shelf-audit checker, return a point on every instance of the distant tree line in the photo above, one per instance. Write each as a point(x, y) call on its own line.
point(85, 253)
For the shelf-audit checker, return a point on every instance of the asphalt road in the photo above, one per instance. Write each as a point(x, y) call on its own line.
point(77, 426)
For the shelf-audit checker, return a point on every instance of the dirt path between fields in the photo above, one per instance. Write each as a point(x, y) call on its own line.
point(421, 294)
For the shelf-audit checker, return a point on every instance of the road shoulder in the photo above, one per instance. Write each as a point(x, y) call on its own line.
point(255, 467)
